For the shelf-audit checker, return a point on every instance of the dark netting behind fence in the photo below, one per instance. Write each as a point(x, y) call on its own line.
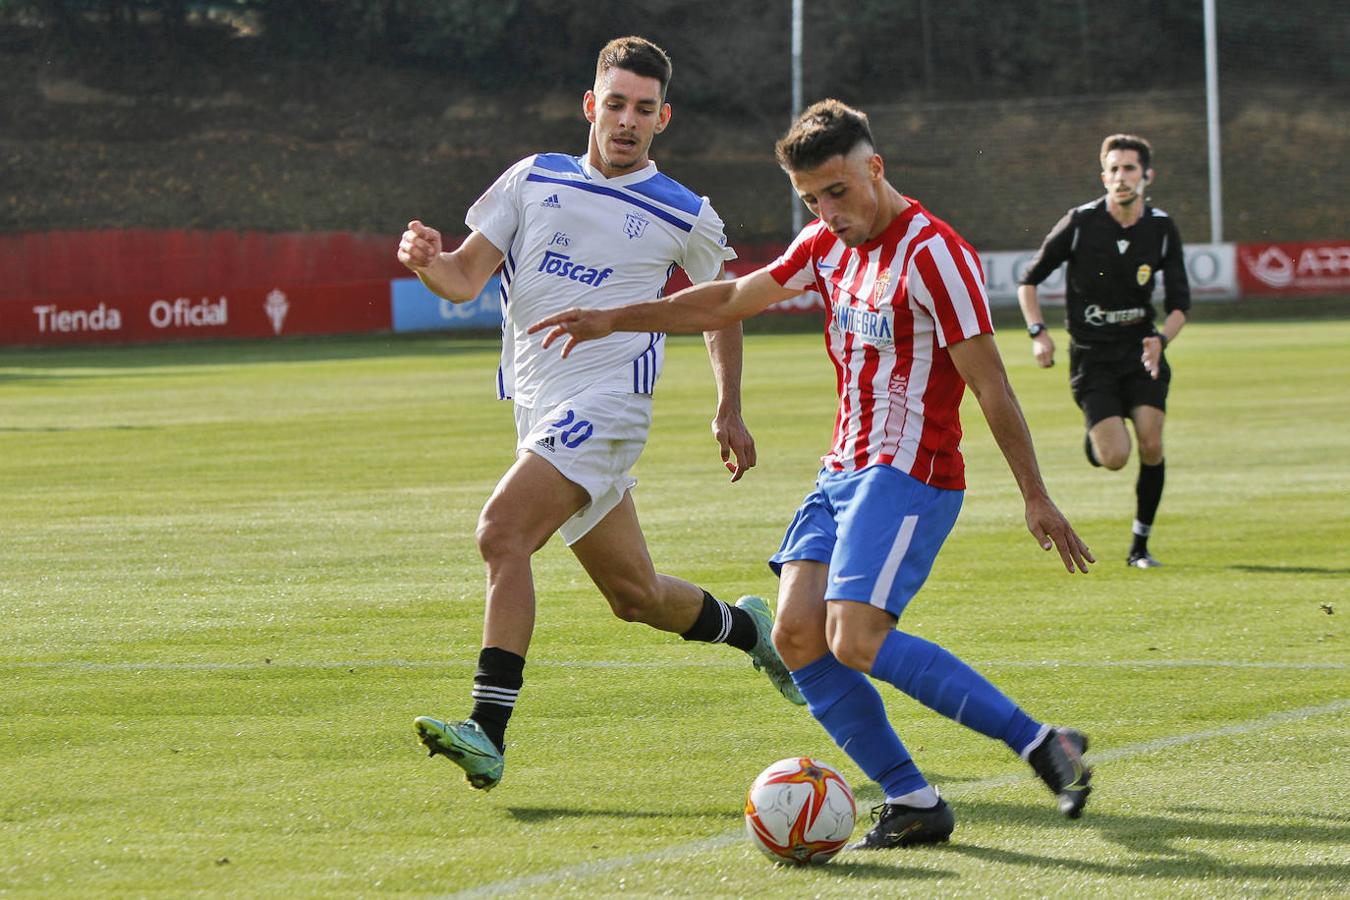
point(358, 114)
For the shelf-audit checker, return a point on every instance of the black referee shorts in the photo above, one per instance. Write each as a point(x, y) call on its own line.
point(1110, 380)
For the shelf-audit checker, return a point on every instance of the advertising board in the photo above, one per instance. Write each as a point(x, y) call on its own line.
point(414, 308)
point(1305, 267)
point(246, 313)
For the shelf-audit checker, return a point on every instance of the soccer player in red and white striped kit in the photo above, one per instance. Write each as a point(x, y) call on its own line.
point(908, 328)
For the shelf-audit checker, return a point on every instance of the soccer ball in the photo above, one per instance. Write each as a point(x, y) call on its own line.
point(800, 811)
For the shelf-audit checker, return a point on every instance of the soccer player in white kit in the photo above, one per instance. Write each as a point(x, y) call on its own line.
point(595, 229)
point(908, 328)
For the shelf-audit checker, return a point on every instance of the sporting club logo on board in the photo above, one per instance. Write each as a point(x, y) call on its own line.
point(276, 308)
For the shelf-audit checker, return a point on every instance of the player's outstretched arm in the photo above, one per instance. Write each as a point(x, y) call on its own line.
point(980, 365)
point(710, 306)
point(457, 276)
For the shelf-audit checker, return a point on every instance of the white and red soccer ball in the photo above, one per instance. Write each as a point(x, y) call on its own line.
point(800, 811)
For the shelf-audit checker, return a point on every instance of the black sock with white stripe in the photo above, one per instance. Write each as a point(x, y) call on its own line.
point(1148, 489)
point(496, 685)
point(720, 623)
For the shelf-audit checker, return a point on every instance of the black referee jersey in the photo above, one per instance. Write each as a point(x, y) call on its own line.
point(1109, 286)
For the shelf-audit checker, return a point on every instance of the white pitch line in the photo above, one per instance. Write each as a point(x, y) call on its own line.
point(70, 664)
point(1157, 664)
point(599, 867)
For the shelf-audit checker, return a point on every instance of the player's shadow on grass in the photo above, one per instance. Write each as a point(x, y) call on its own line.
point(1155, 841)
point(854, 864)
point(1291, 570)
point(1196, 809)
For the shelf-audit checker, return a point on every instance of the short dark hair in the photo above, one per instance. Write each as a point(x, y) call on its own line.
point(826, 129)
point(637, 55)
point(1128, 142)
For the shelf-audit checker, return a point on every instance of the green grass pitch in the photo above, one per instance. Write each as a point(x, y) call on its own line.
point(231, 575)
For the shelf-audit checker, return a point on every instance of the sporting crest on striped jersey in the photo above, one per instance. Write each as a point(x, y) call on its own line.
point(883, 282)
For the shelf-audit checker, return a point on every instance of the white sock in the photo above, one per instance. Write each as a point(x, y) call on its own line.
point(1035, 742)
point(1141, 529)
point(925, 797)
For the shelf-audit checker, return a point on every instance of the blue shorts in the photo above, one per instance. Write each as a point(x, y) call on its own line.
point(878, 529)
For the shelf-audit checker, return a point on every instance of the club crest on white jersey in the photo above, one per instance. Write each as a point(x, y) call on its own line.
point(634, 225)
point(558, 221)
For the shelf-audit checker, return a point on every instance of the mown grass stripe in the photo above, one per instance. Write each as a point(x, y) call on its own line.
point(187, 666)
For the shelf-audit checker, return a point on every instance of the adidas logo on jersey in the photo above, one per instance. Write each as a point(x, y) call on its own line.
point(546, 442)
point(551, 202)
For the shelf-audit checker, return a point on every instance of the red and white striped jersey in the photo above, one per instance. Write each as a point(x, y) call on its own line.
point(895, 304)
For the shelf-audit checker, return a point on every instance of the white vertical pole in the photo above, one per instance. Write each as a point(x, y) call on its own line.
point(797, 219)
point(1212, 125)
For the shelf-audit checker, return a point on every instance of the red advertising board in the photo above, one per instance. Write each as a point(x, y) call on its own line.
point(243, 313)
point(1306, 267)
point(76, 264)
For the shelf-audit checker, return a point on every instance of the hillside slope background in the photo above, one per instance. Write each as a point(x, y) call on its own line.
point(234, 134)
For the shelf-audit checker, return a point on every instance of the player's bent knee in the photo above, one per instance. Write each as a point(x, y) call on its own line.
point(497, 543)
point(796, 643)
point(628, 613)
point(786, 638)
point(632, 600)
point(853, 651)
point(490, 540)
point(1114, 460)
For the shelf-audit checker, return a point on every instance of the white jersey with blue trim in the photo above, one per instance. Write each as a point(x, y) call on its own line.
point(573, 237)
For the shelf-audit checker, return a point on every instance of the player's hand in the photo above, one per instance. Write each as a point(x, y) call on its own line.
point(576, 325)
point(1050, 529)
point(1043, 348)
point(420, 246)
point(736, 441)
point(1152, 357)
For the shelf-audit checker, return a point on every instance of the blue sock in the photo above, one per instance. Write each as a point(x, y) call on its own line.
point(850, 709)
point(943, 683)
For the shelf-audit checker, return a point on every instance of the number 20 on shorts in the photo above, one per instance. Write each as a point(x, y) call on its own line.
point(577, 430)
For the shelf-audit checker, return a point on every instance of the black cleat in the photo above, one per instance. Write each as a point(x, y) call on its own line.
point(907, 826)
point(1059, 762)
point(1142, 560)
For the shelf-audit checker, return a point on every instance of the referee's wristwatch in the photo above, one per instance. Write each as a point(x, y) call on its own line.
point(1036, 330)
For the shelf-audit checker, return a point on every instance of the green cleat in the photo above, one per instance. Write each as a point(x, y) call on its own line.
point(764, 656)
point(465, 745)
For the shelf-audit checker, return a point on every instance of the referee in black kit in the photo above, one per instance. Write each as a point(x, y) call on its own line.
point(1115, 246)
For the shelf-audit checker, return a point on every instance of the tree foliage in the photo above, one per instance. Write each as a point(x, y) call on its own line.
point(732, 54)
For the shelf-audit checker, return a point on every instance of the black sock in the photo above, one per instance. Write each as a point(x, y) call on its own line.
point(496, 685)
point(719, 623)
point(1148, 494)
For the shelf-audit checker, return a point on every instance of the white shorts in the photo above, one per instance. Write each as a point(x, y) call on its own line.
point(593, 439)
